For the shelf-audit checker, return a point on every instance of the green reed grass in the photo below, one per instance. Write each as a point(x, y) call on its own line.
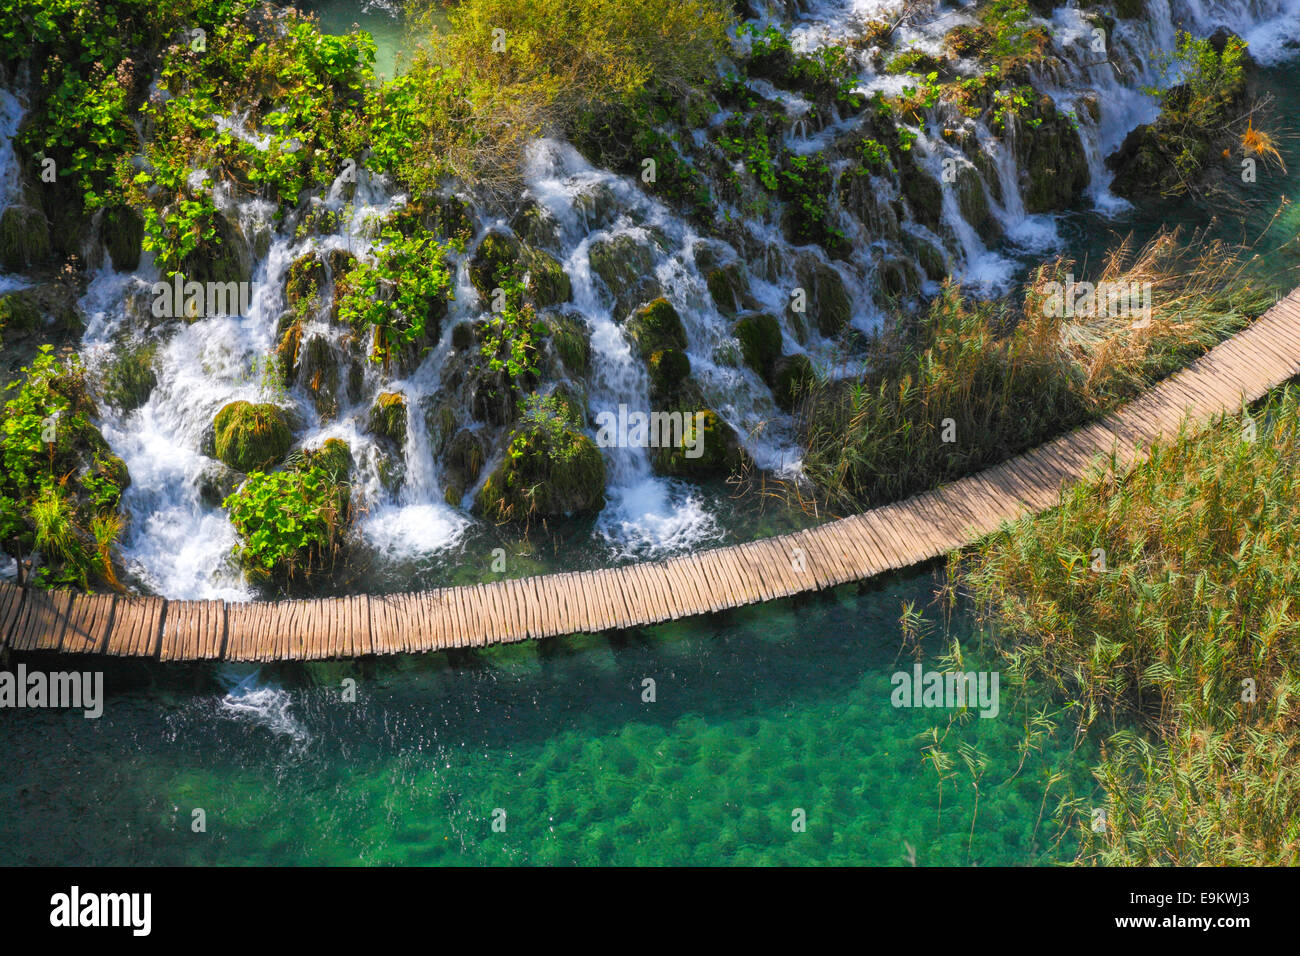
point(1179, 648)
point(1001, 377)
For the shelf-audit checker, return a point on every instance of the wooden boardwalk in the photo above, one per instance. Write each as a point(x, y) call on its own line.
point(895, 536)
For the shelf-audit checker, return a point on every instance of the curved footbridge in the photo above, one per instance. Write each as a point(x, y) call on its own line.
point(895, 536)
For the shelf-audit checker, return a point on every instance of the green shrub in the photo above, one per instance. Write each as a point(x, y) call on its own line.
point(291, 523)
point(400, 298)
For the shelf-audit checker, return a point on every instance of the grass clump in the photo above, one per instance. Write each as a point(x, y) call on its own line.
point(974, 383)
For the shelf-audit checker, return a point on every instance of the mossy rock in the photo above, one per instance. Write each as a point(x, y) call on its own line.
point(250, 437)
point(388, 417)
point(728, 286)
point(536, 226)
point(462, 336)
point(930, 258)
point(122, 231)
point(546, 282)
point(52, 305)
point(19, 315)
point(828, 303)
point(494, 259)
point(568, 337)
point(974, 204)
point(896, 279)
point(128, 377)
point(288, 350)
point(861, 199)
point(655, 327)
point(622, 261)
point(791, 376)
point(305, 280)
point(760, 341)
point(550, 469)
point(466, 455)
point(333, 457)
point(707, 447)
point(1053, 165)
point(924, 195)
point(24, 238)
point(669, 370)
point(318, 374)
point(226, 258)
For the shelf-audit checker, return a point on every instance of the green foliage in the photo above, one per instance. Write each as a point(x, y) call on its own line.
point(511, 337)
point(58, 475)
point(475, 105)
point(291, 523)
point(400, 297)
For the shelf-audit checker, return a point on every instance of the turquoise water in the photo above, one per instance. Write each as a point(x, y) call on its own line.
point(757, 714)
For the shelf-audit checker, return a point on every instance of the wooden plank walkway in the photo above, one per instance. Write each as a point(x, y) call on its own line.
point(895, 536)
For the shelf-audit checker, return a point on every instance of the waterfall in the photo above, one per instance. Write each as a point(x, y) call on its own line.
point(179, 542)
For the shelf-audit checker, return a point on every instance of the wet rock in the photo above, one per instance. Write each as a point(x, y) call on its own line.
point(569, 340)
point(24, 238)
point(122, 230)
point(493, 261)
point(759, 335)
point(550, 468)
point(128, 377)
point(729, 287)
point(305, 280)
point(388, 418)
point(974, 206)
point(333, 457)
point(1050, 155)
point(227, 258)
point(791, 376)
point(216, 483)
point(536, 226)
point(466, 455)
point(706, 447)
point(827, 302)
point(622, 261)
point(545, 280)
point(318, 373)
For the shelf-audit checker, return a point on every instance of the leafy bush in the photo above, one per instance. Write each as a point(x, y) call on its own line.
point(291, 523)
point(60, 486)
point(400, 298)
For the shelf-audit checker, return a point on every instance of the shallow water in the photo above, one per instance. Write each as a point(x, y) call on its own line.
point(758, 714)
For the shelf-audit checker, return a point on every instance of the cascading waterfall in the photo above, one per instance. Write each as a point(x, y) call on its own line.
point(179, 544)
